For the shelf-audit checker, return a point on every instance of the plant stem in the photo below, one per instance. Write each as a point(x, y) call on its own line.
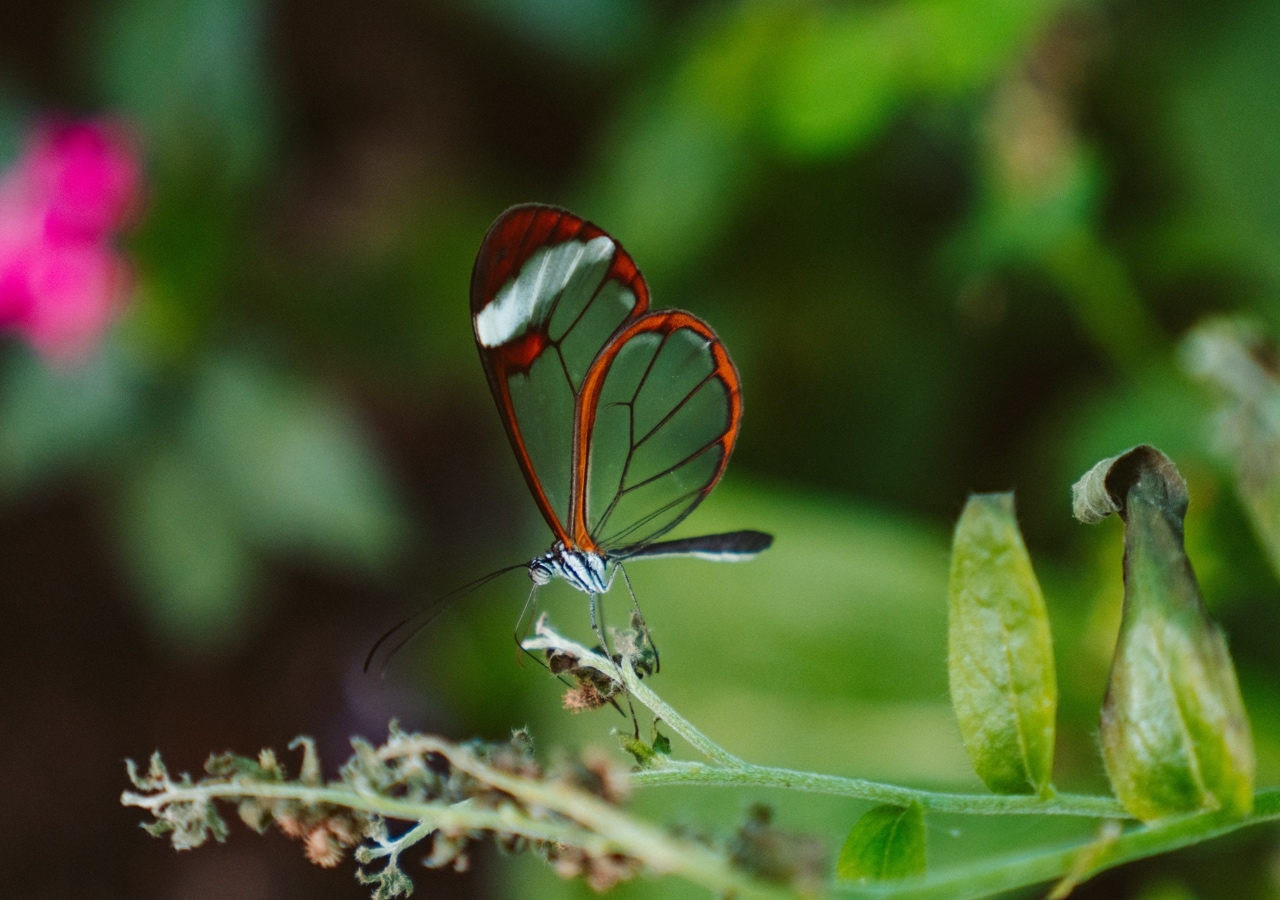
point(1008, 873)
point(730, 770)
point(662, 773)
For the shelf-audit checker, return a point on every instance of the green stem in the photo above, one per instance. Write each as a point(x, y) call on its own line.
point(1008, 873)
point(748, 775)
point(659, 851)
point(393, 848)
point(678, 723)
point(730, 770)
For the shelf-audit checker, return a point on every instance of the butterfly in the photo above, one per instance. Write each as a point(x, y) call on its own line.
point(622, 418)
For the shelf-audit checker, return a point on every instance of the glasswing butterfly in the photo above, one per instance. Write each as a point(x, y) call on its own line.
point(622, 418)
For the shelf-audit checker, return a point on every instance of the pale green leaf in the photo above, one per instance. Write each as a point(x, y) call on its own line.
point(1000, 659)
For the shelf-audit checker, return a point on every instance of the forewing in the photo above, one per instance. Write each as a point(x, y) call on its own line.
point(548, 291)
point(660, 409)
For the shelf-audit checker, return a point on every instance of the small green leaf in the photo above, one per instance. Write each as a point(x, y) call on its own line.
point(886, 843)
point(1000, 660)
point(1175, 735)
point(641, 752)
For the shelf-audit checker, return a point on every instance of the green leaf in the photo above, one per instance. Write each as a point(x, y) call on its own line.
point(1000, 660)
point(680, 162)
point(886, 843)
point(844, 73)
point(960, 44)
point(1175, 735)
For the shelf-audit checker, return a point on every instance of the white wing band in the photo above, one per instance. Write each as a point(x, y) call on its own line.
point(525, 301)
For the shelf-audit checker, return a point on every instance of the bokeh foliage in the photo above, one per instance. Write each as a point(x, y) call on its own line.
point(951, 244)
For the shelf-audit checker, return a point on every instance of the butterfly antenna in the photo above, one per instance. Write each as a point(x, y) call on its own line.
point(424, 617)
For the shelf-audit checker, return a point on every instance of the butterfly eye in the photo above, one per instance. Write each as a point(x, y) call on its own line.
point(539, 572)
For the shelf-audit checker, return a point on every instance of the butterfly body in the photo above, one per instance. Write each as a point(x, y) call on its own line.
point(583, 569)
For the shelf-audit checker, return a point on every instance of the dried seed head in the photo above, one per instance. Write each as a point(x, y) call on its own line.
point(607, 780)
point(323, 848)
point(798, 860)
point(583, 697)
point(559, 662)
point(606, 872)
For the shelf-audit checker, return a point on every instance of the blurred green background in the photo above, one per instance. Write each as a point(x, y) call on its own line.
point(951, 244)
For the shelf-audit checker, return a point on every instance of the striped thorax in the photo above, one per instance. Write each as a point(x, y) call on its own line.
point(582, 569)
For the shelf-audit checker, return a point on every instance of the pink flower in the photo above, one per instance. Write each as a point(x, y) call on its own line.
point(61, 281)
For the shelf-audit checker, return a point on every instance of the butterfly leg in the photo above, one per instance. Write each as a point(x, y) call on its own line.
point(635, 720)
point(644, 628)
point(597, 620)
point(522, 627)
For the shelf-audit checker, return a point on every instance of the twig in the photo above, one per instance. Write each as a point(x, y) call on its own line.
point(726, 769)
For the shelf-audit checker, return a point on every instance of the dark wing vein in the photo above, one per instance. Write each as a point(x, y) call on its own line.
point(679, 406)
point(631, 415)
point(653, 515)
point(672, 468)
point(623, 491)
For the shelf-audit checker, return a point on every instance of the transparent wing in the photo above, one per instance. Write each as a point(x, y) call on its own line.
point(548, 291)
point(660, 410)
